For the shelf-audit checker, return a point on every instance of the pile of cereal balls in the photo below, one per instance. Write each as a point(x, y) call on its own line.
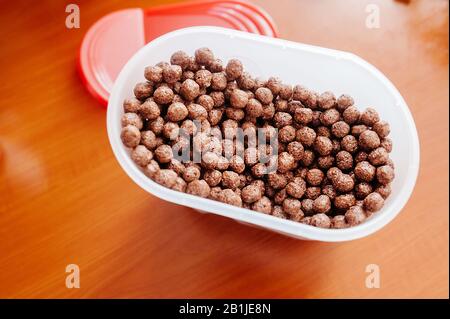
point(333, 167)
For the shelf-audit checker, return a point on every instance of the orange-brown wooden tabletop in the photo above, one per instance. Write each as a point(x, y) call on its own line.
point(65, 200)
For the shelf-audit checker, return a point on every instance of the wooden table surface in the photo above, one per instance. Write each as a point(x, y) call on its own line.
point(65, 200)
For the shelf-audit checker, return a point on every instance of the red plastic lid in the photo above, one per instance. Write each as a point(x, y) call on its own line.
point(113, 39)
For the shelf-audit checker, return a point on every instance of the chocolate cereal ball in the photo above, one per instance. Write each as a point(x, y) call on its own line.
point(292, 206)
point(329, 191)
point(323, 145)
point(280, 196)
point(384, 190)
point(322, 204)
point(180, 58)
point(235, 114)
point(361, 156)
point(163, 95)
point(141, 155)
point(326, 100)
point(198, 187)
point(307, 206)
point(358, 129)
point(143, 90)
point(131, 105)
point(277, 211)
point(230, 179)
point(296, 150)
point(148, 139)
point(153, 74)
point(362, 190)
point(314, 177)
point(228, 196)
point(264, 95)
point(149, 109)
point(385, 174)
point(191, 173)
point(325, 162)
point(179, 185)
point(364, 171)
point(369, 140)
point(176, 166)
point(215, 116)
point(386, 143)
point(320, 220)
point(151, 169)
point(177, 112)
point(251, 193)
point(329, 117)
point(285, 91)
point(204, 56)
point(234, 69)
point(344, 201)
point(369, 117)
point(286, 134)
point(351, 115)
point(343, 183)
point(344, 160)
point(171, 130)
point(268, 111)
point(130, 136)
point(237, 164)
point(355, 215)
point(203, 78)
point(213, 177)
point(165, 177)
point(172, 73)
point(274, 85)
point(378, 156)
point(187, 75)
point(296, 188)
point(254, 108)
point(286, 162)
point(219, 81)
point(209, 160)
point(344, 102)
point(190, 90)
point(276, 180)
point(306, 135)
point(382, 128)
point(197, 112)
point(131, 119)
point(216, 66)
point(206, 101)
point(373, 202)
point(163, 153)
point(246, 81)
point(339, 222)
point(349, 143)
point(263, 205)
point(333, 173)
point(340, 129)
point(323, 131)
point(239, 99)
point(308, 158)
point(303, 115)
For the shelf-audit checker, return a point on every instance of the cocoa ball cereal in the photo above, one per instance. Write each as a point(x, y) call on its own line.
point(234, 69)
point(329, 166)
point(369, 140)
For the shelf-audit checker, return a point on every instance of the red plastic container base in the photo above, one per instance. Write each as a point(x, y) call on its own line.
point(113, 39)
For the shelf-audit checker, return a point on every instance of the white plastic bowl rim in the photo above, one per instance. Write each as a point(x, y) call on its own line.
point(298, 230)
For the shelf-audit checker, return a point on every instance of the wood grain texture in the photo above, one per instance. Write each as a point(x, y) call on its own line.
point(64, 199)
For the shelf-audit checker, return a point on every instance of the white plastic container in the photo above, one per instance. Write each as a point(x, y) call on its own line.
point(317, 68)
